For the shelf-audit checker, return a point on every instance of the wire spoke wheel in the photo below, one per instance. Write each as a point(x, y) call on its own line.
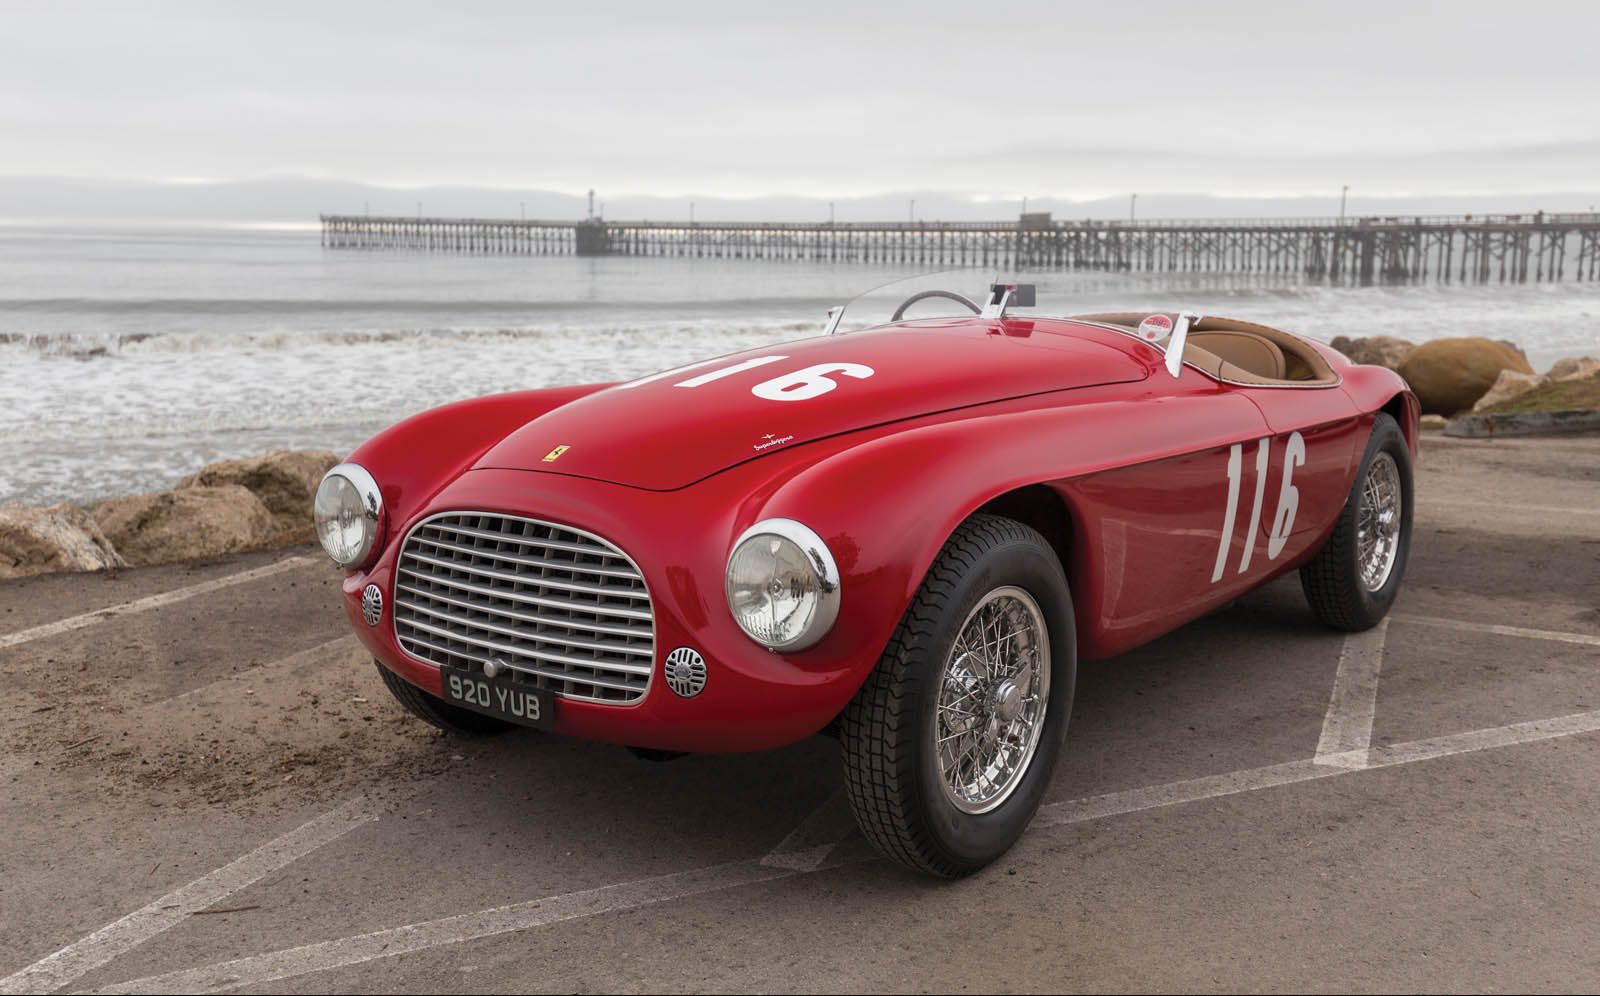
point(1378, 522)
point(993, 696)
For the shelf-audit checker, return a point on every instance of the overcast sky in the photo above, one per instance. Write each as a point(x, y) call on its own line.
point(977, 99)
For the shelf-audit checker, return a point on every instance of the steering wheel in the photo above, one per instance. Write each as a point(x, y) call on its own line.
point(924, 295)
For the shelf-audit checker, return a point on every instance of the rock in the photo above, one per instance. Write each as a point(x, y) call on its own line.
point(285, 481)
point(1448, 375)
point(1509, 385)
point(1514, 348)
point(1574, 368)
point(1432, 423)
point(1379, 350)
point(63, 538)
point(186, 524)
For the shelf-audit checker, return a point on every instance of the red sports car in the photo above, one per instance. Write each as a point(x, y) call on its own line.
point(906, 536)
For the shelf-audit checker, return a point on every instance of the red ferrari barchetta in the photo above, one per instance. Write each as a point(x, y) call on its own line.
point(906, 535)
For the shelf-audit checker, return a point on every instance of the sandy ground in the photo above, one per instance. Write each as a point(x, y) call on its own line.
point(214, 791)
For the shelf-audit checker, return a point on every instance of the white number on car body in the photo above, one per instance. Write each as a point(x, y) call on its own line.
point(1294, 455)
point(808, 383)
point(801, 385)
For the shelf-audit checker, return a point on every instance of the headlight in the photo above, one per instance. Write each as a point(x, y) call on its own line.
point(349, 514)
point(782, 585)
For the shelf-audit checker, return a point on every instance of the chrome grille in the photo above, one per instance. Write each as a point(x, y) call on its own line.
point(562, 607)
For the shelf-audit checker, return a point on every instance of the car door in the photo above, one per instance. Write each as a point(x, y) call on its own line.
point(1166, 532)
point(1314, 439)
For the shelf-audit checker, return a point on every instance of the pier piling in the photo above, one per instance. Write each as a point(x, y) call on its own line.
point(1367, 250)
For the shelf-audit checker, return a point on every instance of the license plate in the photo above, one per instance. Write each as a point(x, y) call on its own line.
point(513, 701)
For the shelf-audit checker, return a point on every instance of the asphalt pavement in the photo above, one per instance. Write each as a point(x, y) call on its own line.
point(204, 786)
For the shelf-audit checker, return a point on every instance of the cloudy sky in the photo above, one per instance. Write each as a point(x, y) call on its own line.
point(812, 99)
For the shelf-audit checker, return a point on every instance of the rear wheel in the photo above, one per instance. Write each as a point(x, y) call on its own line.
point(434, 710)
point(950, 743)
point(1354, 578)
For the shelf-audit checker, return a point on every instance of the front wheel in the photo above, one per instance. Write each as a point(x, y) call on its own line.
point(1354, 578)
point(949, 745)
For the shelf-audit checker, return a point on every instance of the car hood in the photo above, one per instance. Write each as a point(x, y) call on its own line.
point(670, 430)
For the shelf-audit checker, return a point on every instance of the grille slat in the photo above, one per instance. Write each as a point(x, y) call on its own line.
point(565, 547)
point(561, 607)
point(520, 560)
point(468, 623)
point(518, 577)
point(619, 685)
point(532, 618)
point(522, 597)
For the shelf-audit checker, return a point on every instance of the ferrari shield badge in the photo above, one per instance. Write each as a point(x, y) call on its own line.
point(1155, 328)
point(555, 454)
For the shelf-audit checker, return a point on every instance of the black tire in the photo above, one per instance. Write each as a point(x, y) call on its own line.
point(887, 732)
point(1332, 580)
point(434, 710)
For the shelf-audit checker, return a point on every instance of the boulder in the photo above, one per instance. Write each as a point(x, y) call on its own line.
point(1449, 375)
point(186, 524)
point(1379, 350)
point(285, 481)
point(1510, 384)
point(62, 538)
point(1574, 368)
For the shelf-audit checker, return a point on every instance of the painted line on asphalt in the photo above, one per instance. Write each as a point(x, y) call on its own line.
point(1423, 501)
point(414, 937)
point(1581, 639)
point(813, 841)
point(120, 936)
point(1290, 772)
point(152, 602)
point(1347, 727)
point(262, 672)
point(344, 952)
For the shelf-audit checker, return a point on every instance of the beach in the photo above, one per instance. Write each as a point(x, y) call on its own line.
point(132, 356)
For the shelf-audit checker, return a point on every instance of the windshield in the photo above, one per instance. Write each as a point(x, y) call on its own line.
point(955, 294)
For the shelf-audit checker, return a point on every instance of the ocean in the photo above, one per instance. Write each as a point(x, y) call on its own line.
point(130, 357)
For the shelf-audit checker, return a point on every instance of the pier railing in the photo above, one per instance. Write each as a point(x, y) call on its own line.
point(1509, 248)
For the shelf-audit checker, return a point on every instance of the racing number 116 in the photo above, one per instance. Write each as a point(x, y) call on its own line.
point(1294, 455)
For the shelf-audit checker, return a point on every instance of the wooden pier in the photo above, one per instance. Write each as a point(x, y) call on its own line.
point(1465, 248)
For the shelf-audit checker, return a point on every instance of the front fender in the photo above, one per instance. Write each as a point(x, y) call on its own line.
point(886, 506)
point(414, 459)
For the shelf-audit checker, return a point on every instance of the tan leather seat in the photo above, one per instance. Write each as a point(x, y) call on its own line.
point(1245, 350)
point(1239, 352)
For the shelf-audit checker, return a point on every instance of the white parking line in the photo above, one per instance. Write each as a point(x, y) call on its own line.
point(811, 843)
point(83, 956)
point(1581, 639)
point(1347, 727)
point(307, 959)
point(152, 602)
point(1290, 772)
point(1424, 501)
point(452, 930)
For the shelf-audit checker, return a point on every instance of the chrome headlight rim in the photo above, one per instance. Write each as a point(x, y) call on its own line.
point(366, 487)
point(823, 567)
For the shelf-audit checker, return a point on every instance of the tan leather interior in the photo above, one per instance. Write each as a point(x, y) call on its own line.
point(1240, 352)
